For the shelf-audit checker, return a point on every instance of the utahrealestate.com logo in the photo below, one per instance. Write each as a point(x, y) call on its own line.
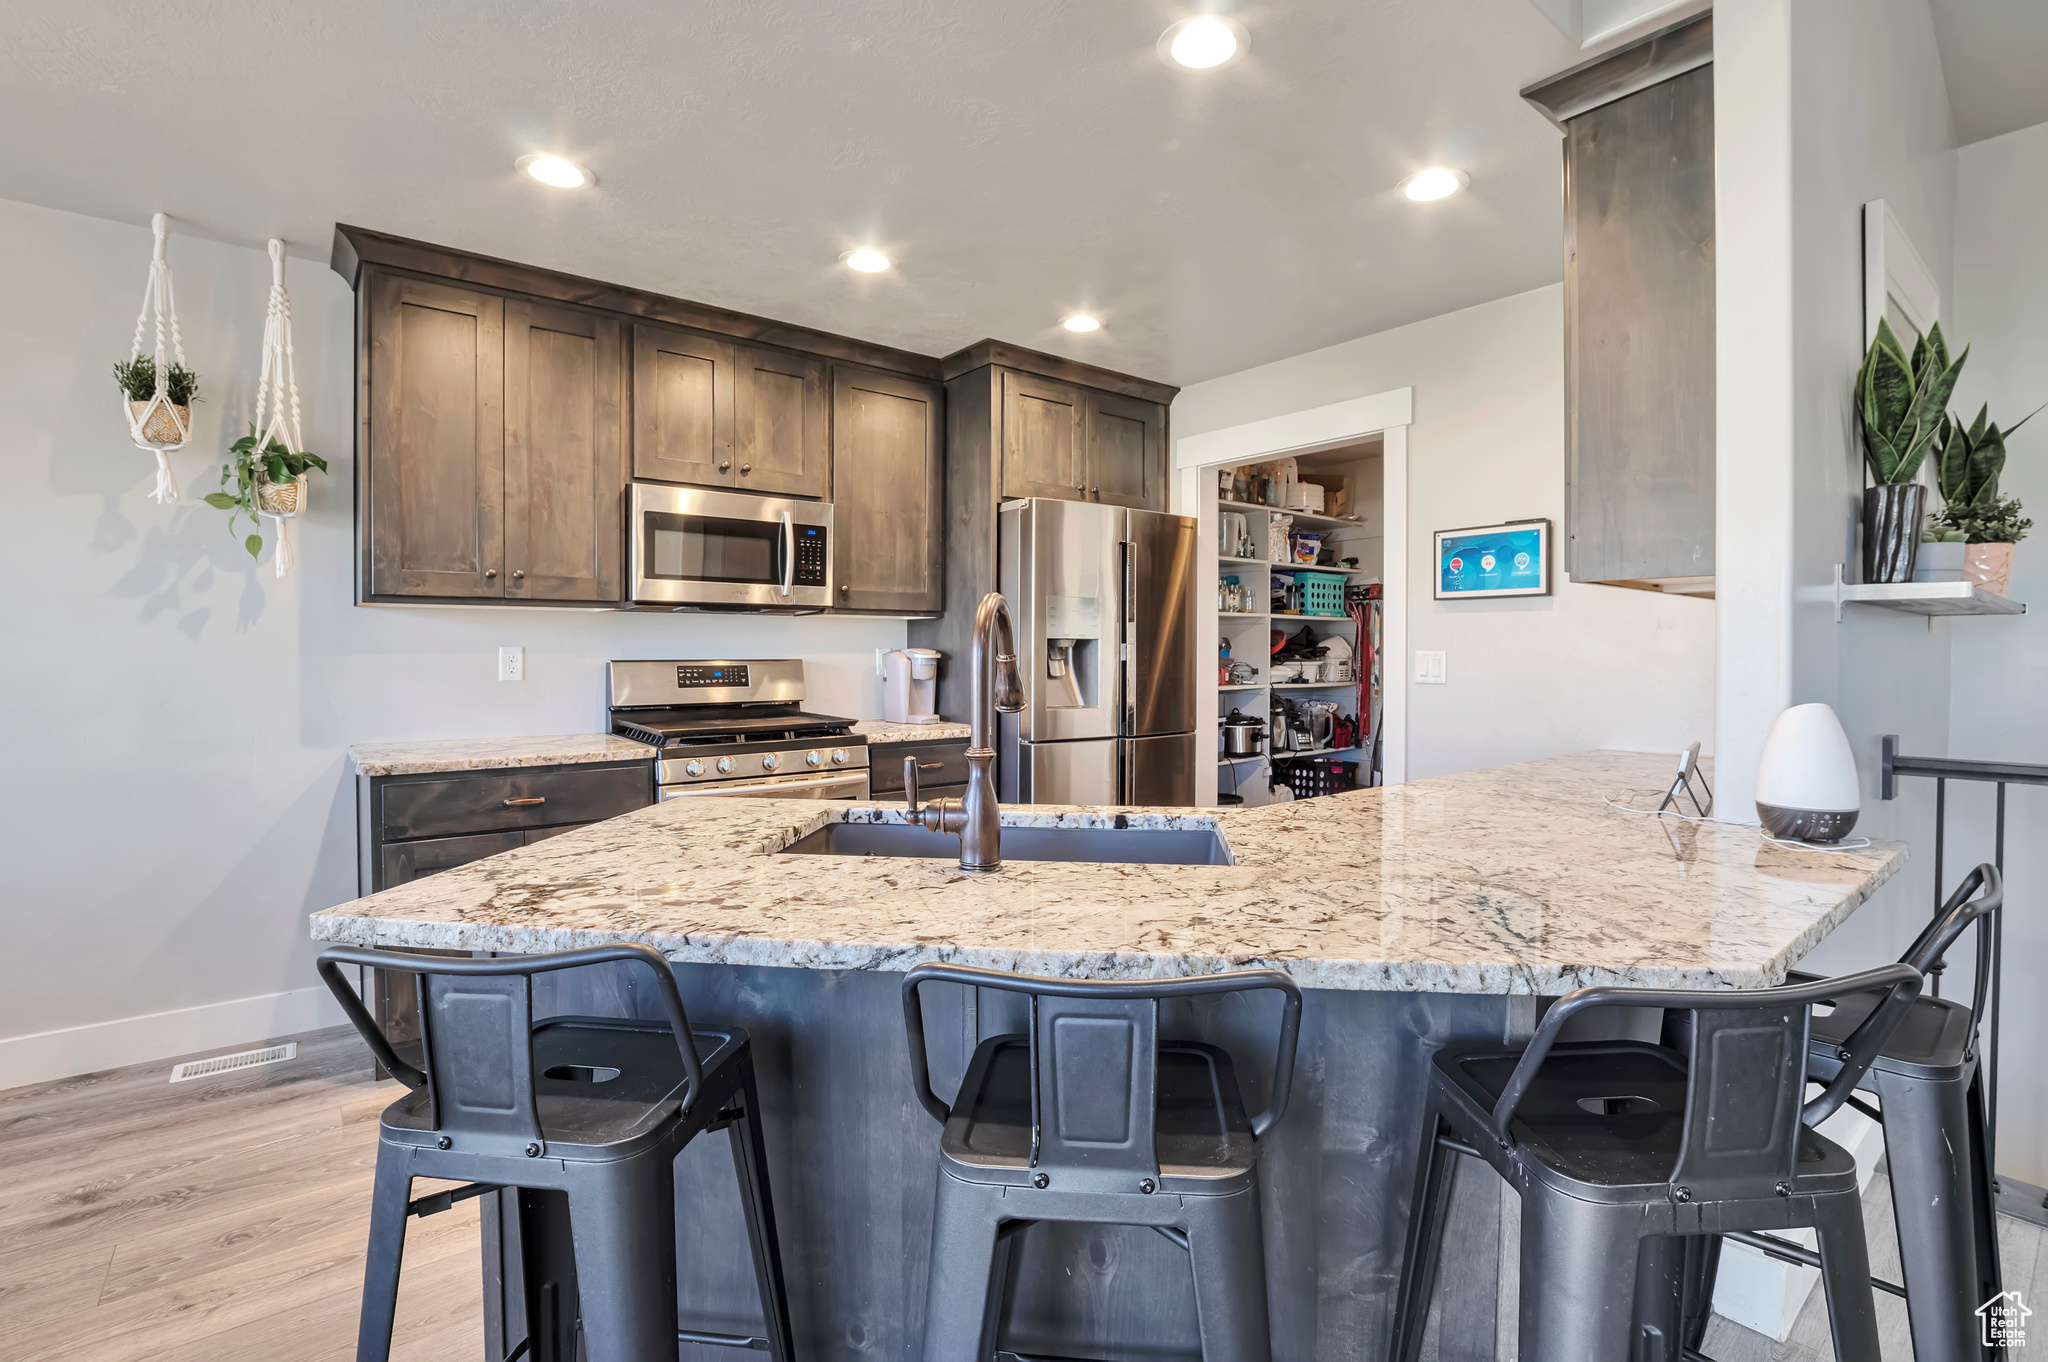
point(2005, 1320)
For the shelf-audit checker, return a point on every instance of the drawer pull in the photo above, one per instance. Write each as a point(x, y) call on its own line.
point(526, 801)
point(931, 765)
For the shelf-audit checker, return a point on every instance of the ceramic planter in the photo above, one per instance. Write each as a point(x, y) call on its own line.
point(1940, 562)
point(1989, 565)
point(159, 427)
point(281, 498)
point(1891, 530)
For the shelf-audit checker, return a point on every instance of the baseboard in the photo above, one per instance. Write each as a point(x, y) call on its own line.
point(44, 1055)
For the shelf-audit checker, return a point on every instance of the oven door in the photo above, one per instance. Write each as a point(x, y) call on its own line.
point(835, 785)
point(696, 547)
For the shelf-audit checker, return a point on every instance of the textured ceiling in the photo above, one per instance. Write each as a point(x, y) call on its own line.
point(1021, 159)
point(1994, 59)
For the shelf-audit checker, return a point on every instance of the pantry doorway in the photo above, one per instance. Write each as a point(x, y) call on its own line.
point(1303, 645)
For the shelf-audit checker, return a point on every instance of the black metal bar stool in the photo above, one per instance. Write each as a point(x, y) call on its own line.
point(1926, 1080)
point(1620, 1147)
point(1091, 1117)
point(594, 1109)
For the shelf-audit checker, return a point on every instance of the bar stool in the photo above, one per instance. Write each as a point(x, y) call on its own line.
point(1932, 1111)
point(1618, 1148)
point(592, 1108)
point(1091, 1117)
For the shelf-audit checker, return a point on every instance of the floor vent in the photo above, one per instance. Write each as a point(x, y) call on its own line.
point(241, 1059)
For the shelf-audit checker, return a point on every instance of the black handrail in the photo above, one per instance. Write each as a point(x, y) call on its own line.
point(1240, 981)
point(631, 951)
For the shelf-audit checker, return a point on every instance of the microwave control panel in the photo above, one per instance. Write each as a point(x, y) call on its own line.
point(811, 549)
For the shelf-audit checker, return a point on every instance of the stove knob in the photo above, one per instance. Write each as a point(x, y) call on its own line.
point(693, 767)
point(768, 762)
point(839, 757)
point(814, 758)
point(725, 766)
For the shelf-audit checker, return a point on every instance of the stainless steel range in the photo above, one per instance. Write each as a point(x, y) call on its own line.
point(736, 728)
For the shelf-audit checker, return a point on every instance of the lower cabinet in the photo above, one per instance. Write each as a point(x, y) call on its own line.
point(412, 826)
point(941, 769)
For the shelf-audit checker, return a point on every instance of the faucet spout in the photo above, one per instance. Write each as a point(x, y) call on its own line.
point(995, 685)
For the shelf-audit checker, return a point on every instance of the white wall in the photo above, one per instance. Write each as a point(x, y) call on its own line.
point(2000, 678)
point(1591, 666)
point(178, 796)
point(1820, 106)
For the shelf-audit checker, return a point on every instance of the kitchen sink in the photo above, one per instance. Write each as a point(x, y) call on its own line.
point(1114, 846)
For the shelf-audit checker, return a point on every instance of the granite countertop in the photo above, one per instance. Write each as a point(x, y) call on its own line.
point(1513, 880)
point(490, 754)
point(880, 732)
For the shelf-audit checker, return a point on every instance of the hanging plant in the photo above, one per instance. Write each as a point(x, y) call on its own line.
point(269, 481)
point(159, 389)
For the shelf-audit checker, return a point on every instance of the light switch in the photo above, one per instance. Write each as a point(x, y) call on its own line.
point(511, 664)
point(1429, 669)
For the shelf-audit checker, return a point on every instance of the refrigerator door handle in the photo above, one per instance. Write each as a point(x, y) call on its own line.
point(1127, 709)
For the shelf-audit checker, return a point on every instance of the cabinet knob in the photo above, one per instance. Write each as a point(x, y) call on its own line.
point(844, 588)
point(518, 574)
point(745, 469)
point(1095, 492)
point(1082, 488)
point(725, 467)
point(490, 574)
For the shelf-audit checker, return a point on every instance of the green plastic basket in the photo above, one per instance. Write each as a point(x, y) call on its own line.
point(1322, 593)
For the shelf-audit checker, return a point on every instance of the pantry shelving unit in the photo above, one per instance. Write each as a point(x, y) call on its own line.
point(1247, 632)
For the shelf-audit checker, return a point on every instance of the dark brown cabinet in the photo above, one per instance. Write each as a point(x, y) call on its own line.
point(1044, 438)
point(779, 417)
point(888, 510)
point(1126, 444)
point(682, 407)
point(495, 447)
point(436, 466)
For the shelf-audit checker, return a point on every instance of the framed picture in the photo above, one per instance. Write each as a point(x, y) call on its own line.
point(1493, 560)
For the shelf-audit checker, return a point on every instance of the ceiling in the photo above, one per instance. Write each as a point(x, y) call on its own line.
point(1021, 160)
point(1994, 60)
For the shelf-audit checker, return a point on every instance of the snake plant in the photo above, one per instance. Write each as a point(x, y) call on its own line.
point(1968, 459)
point(1903, 402)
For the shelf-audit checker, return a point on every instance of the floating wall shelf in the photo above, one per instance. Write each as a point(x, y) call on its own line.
point(1924, 598)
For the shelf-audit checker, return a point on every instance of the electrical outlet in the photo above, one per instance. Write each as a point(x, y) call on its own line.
point(511, 664)
point(1429, 669)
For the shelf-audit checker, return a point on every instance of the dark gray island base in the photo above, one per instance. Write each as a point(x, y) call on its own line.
point(853, 1156)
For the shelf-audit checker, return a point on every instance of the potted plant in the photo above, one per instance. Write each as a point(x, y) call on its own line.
point(1901, 404)
point(1989, 530)
point(270, 480)
point(137, 378)
point(1976, 529)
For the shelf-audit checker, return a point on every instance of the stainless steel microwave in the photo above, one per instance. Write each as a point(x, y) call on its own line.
point(691, 546)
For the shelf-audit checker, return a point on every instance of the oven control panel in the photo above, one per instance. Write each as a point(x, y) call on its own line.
point(811, 548)
point(725, 674)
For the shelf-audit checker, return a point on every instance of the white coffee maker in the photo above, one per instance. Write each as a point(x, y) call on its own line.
point(910, 686)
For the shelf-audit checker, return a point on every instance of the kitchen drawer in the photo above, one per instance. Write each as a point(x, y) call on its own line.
point(489, 801)
point(939, 763)
point(405, 862)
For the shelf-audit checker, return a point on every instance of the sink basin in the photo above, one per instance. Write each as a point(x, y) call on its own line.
point(1114, 846)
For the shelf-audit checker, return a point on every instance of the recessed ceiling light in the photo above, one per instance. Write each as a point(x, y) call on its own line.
point(1081, 321)
point(557, 172)
point(866, 260)
point(1426, 186)
point(1204, 42)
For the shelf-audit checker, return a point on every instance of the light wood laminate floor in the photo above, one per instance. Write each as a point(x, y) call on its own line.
point(220, 1219)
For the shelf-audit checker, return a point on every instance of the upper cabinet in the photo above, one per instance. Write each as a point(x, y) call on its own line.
point(1126, 451)
point(494, 465)
point(779, 413)
point(682, 407)
point(888, 515)
point(1044, 439)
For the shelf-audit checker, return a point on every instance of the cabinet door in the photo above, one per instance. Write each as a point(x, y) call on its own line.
point(682, 407)
point(1126, 462)
point(1042, 439)
point(564, 439)
point(779, 415)
point(888, 513)
point(437, 440)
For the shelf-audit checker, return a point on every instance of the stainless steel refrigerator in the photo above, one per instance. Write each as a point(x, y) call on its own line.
point(1104, 604)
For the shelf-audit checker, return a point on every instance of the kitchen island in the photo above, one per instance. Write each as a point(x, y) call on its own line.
point(1426, 914)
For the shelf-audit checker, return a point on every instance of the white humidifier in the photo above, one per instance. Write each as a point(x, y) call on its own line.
point(1806, 785)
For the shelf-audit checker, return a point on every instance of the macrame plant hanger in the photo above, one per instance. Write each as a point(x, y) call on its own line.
point(160, 425)
point(281, 501)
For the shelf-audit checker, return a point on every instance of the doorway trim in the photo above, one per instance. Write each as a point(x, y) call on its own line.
point(1387, 415)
